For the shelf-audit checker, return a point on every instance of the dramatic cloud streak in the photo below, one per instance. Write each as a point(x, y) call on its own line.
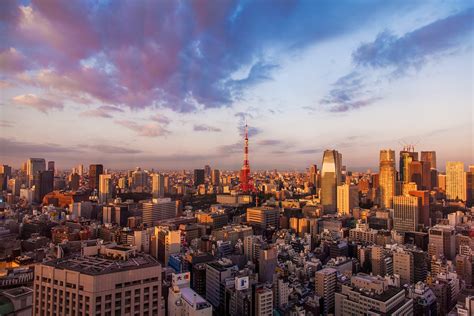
point(38, 103)
point(174, 54)
point(397, 55)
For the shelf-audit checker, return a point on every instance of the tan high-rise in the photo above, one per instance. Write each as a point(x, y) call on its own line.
point(387, 177)
point(455, 181)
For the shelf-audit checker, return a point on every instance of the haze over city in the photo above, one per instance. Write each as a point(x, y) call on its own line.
point(169, 84)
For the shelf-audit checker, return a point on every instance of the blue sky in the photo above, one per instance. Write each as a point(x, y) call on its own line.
point(169, 84)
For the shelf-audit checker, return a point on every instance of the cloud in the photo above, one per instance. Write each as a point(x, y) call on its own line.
point(5, 123)
point(348, 93)
point(160, 119)
point(413, 49)
point(205, 128)
point(104, 111)
point(38, 103)
point(270, 142)
point(12, 147)
point(231, 149)
point(252, 130)
point(110, 149)
point(393, 56)
point(146, 129)
point(173, 54)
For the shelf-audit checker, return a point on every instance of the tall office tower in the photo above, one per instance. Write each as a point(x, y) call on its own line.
point(94, 172)
point(330, 179)
point(442, 241)
point(407, 155)
point(404, 266)
point(313, 175)
point(139, 180)
point(387, 177)
point(33, 165)
point(157, 210)
point(74, 181)
point(347, 198)
point(167, 184)
point(99, 285)
point(164, 243)
point(44, 183)
point(80, 170)
point(216, 177)
point(267, 262)
point(158, 185)
point(51, 166)
point(183, 301)
point(408, 187)
point(434, 178)
point(5, 175)
point(207, 171)
point(198, 177)
point(455, 181)
point(325, 287)
point(426, 175)
point(442, 182)
point(106, 187)
point(470, 187)
point(424, 199)
point(263, 216)
point(415, 173)
point(429, 156)
point(216, 273)
point(263, 301)
point(406, 212)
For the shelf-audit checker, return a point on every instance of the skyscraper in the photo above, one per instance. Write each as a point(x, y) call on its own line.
point(51, 166)
point(407, 155)
point(216, 177)
point(157, 210)
point(44, 183)
point(313, 175)
point(158, 185)
point(387, 177)
point(105, 187)
point(455, 181)
point(330, 179)
point(415, 171)
point(198, 177)
point(33, 165)
point(94, 172)
point(470, 186)
point(406, 211)
point(429, 156)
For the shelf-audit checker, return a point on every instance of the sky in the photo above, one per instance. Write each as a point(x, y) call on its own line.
point(170, 84)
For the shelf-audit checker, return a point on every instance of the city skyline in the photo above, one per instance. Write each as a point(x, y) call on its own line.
point(172, 87)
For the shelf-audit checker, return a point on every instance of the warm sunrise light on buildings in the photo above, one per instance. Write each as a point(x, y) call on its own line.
point(259, 158)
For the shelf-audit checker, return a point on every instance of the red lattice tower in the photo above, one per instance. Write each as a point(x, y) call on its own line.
point(246, 182)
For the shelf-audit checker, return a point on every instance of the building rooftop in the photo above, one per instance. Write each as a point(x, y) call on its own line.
point(97, 265)
point(194, 299)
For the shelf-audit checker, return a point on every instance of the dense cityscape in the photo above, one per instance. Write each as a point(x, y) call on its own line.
point(236, 158)
point(328, 241)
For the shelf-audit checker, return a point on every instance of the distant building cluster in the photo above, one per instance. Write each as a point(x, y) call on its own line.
point(329, 241)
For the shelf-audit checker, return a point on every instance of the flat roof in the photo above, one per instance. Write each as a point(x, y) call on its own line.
point(97, 265)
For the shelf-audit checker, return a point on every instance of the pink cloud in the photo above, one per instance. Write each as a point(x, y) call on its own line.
point(38, 103)
point(146, 129)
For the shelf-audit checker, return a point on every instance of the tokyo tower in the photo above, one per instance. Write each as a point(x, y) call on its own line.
point(246, 183)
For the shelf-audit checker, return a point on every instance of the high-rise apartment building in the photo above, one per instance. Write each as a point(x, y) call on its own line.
point(347, 198)
point(158, 185)
point(387, 177)
point(263, 301)
point(158, 209)
point(94, 172)
point(33, 166)
point(455, 181)
point(325, 287)
point(406, 212)
point(116, 281)
point(330, 179)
